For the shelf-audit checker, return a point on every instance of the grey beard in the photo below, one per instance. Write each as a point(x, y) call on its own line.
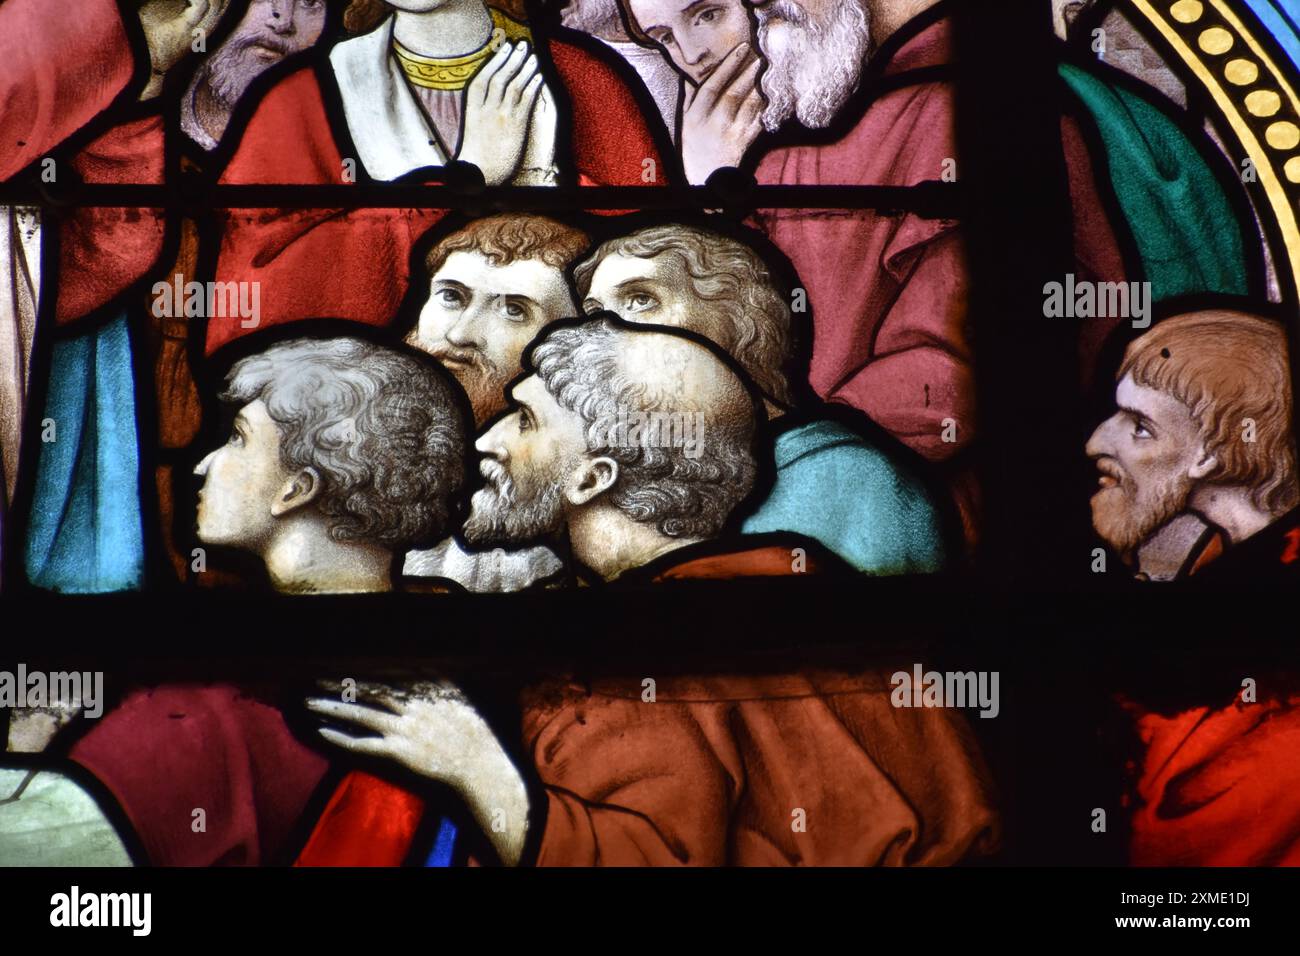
point(599, 18)
point(497, 519)
point(818, 69)
point(231, 71)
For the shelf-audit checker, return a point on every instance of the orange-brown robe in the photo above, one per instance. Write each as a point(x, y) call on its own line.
point(813, 768)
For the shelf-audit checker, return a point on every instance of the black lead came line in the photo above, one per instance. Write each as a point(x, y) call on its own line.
point(928, 200)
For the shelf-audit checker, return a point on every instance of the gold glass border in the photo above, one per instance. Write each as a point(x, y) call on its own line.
point(1257, 99)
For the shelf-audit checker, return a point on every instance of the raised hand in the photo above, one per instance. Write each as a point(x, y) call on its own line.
point(539, 167)
point(433, 729)
point(722, 116)
point(170, 34)
point(498, 108)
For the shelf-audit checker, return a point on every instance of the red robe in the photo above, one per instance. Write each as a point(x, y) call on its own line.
point(325, 262)
point(167, 751)
point(57, 73)
point(58, 69)
point(104, 251)
point(1218, 786)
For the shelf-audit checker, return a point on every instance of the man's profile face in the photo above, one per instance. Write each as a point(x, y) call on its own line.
point(654, 291)
point(527, 457)
point(696, 34)
point(1145, 454)
point(269, 31)
point(480, 317)
point(241, 481)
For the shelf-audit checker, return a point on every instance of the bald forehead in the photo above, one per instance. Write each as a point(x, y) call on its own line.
point(673, 366)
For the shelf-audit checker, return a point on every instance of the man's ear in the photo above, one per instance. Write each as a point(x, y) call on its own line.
point(1205, 463)
point(590, 479)
point(298, 491)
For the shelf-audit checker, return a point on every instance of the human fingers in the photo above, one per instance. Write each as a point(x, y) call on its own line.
point(506, 72)
point(367, 717)
point(370, 746)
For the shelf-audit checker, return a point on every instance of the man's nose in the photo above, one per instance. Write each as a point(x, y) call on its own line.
point(1100, 444)
point(201, 469)
point(282, 16)
point(489, 444)
point(693, 53)
point(467, 330)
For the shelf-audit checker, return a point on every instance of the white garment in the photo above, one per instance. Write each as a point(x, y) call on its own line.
point(20, 284)
point(484, 572)
point(54, 822)
point(387, 125)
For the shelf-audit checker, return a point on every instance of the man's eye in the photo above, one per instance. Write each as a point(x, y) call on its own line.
point(515, 311)
point(1140, 431)
point(640, 302)
point(450, 298)
point(235, 437)
point(708, 16)
point(665, 38)
point(525, 421)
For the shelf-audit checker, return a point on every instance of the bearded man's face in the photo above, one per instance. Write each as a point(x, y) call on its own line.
point(270, 31)
point(527, 456)
point(1147, 455)
point(480, 316)
point(815, 50)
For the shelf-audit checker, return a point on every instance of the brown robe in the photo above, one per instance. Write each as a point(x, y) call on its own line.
point(809, 768)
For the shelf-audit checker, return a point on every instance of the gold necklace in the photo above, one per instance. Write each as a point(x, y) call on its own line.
point(454, 73)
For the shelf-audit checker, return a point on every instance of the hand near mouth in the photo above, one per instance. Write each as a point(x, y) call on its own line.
point(722, 116)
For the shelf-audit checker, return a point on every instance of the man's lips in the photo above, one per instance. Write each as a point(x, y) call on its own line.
point(268, 49)
point(459, 359)
point(1109, 476)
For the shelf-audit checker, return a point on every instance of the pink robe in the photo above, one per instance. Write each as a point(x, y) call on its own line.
point(889, 292)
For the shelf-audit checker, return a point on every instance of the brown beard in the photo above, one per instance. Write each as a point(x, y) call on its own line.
point(485, 393)
point(1125, 517)
point(483, 383)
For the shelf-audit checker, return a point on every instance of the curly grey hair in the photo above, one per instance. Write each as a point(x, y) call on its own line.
point(681, 495)
point(745, 314)
point(385, 432)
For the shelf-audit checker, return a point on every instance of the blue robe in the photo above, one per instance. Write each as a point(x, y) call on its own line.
point(837, 488)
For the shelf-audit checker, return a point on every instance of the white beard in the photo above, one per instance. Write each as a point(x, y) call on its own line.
point(596, 17)
point(813, 68)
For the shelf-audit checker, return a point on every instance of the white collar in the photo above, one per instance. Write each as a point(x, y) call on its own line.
point(388, 128)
